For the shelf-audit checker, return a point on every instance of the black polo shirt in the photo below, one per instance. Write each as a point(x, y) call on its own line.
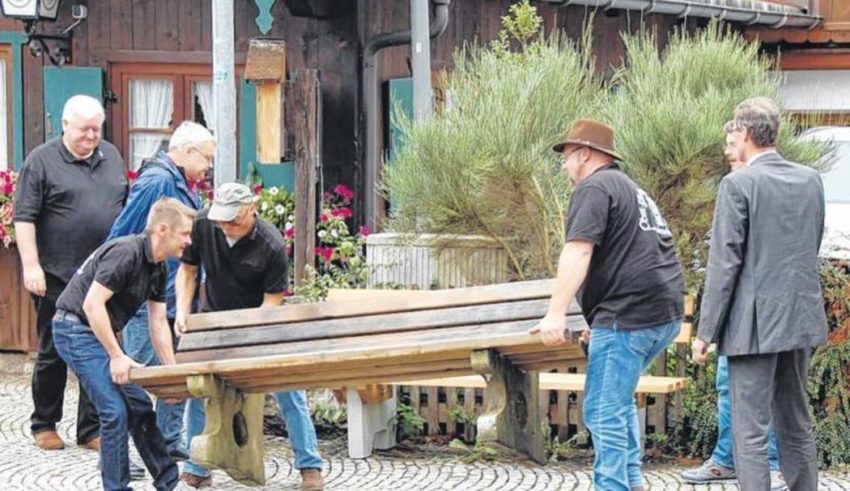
point(124, 265)
point(71, 202)
point(238, 276)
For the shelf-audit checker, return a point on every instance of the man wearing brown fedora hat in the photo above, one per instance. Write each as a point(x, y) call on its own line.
point(620, 263)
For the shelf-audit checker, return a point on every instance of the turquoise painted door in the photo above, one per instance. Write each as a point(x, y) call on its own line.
point(60, 83)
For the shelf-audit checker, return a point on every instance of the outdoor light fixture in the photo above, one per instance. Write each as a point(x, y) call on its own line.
point(33, 11)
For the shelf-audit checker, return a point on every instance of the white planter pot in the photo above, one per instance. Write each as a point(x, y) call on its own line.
point(432, 261)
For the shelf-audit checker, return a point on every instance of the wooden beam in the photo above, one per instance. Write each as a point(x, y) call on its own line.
point(303, 107)
point(269, 115)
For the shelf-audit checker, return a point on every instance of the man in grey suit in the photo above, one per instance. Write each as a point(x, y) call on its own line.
point(762, 303)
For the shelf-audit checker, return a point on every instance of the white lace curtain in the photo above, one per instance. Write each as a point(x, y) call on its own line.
point(4, 123)
point(151, 107)
point(204, 93)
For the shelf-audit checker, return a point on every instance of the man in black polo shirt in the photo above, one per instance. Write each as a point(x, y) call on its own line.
point(245, 265)
point(70, 190)
point(620, 259)
point(106, 291)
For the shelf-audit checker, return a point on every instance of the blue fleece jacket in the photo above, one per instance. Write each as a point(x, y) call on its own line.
point(158, 178)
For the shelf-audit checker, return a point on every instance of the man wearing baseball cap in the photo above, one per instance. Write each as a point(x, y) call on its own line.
point(245, 265)
point(620, 263)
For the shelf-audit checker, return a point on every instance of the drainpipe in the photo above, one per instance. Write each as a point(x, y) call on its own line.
point(690, 8)
point(370, 97)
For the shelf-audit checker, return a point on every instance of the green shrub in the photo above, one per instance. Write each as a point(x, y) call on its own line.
point(668, 113)
point(485, 165)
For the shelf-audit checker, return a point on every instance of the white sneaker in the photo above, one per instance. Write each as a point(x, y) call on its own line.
point(777, 481)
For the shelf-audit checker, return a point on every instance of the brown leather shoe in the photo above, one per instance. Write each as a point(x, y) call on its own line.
point(312, 480)
point(196, 481)
point(93, 444)
point(49, 440)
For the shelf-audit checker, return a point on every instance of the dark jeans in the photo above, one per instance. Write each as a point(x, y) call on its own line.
point(123, 409)
point(50, 374)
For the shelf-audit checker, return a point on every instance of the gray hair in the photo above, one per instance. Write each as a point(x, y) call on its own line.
point(83, 107)
point(761, 117)
point(189, 134)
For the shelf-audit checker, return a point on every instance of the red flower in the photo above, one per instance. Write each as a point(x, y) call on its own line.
point(364, 231)
point(258, 188)
point(343, 212)
point(324, 217)
point(327, 253)
point(132, 175)
point(343, 191)
point(289, 233)
point(8, 189)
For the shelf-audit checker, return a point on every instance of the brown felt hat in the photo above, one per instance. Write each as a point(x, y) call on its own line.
point(589, 133)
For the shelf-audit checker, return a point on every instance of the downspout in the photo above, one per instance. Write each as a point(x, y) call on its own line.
point(370, 97)
point(689, 8)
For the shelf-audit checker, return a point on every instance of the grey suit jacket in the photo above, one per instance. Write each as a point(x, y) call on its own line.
point(762, 291)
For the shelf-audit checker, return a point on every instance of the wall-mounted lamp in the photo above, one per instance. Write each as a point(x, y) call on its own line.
point(33, 11)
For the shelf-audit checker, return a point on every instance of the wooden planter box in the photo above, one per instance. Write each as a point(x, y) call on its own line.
point(17, 313)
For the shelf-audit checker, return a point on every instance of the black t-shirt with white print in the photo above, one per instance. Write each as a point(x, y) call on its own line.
point(635, 278)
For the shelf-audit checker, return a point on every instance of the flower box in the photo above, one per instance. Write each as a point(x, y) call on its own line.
point(17, 314)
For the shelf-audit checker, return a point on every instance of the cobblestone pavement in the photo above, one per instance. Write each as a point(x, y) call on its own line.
point(23, 466)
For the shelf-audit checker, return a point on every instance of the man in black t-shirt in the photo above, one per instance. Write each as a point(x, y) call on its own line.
point(620, 263)
point(107, 290)
point(245, 265)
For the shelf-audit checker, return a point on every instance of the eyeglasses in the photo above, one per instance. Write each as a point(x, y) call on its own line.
point(208, 158)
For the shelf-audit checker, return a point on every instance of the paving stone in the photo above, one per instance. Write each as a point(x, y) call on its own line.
point(25, 467)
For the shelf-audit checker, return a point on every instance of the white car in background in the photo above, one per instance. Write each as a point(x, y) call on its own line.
point(836, 185)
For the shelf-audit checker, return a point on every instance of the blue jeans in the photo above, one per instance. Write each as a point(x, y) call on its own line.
point(722, 454)
point(122, 409)
point(138, 345)
point(616, 359)
point(302, 433)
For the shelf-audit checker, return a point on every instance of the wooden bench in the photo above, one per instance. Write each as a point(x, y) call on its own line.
point(231, 359)
point(565, 382)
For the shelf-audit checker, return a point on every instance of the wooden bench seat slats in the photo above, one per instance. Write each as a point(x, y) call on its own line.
point(429, 299)
point(363, 326)
point(409, 344)
point(573, 382)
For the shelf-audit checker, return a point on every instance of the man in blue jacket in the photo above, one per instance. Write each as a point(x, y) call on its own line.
point(169, 174)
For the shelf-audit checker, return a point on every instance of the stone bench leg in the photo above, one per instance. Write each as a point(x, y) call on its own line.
point(233, 435)
point(371, 422)
point(512, 417)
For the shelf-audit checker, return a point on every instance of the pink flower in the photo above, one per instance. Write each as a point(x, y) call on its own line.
point(8, 189)
point(343, 191)
point(343, 212)
point(327, 253)
point(324, 217)
point(287, 293)
point(364, 231)
point(326, 197)
point(290, 233)
point(318, 251)
point(258, 188)
point(132, 175)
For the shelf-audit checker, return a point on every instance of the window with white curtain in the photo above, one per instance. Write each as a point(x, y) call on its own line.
point(151, 109)
point(203, 95)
